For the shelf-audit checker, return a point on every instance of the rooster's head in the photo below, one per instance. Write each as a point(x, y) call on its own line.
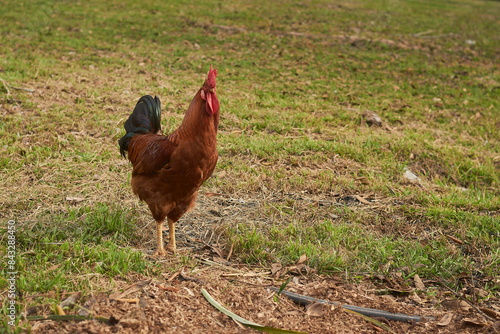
point(208, 92)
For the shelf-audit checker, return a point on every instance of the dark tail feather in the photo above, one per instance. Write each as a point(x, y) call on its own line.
point(145, 118)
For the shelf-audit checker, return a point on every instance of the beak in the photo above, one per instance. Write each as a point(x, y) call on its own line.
point(212, 90)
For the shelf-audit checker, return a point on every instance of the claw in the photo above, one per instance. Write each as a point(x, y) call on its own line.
point(160, 253)
point(171, 248)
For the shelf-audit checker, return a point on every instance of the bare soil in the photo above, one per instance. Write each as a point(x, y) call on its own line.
point(173, 302)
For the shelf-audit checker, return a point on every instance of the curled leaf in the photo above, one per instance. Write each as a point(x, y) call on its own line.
point(445, 321)
point(315, 310)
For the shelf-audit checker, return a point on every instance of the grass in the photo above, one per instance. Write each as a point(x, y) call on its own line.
point(80, 243)
point(294, 79)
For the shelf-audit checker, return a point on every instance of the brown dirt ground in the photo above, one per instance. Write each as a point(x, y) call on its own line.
point(174, 303)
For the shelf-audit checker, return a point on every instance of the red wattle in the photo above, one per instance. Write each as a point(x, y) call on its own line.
point(212, 103)
point(210, 107)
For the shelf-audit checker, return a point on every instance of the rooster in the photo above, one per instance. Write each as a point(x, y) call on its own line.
point(169, 170)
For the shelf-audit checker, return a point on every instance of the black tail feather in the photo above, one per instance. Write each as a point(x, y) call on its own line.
point(145, 118)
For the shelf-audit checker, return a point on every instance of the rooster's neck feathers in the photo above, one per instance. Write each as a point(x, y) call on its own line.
point(197, 121)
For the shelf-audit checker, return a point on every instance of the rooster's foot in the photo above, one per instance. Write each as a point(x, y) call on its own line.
point(171, 249)
point(159, 253)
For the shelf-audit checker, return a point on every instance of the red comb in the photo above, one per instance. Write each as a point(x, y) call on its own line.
point(211, 77)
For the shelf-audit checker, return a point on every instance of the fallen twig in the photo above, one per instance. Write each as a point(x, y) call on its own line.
point(6, 86)
point(437, 36)
point(254, 284)
point(128, 300)
point(230, 252)
point(20, 88)
point(171, 278)
point(423, 33)
point(458, 241)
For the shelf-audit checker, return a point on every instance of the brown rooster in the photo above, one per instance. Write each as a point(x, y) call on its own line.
point(169, 170)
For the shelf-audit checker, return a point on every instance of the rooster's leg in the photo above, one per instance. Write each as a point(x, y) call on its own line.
point(171, 232)
point(159, 239)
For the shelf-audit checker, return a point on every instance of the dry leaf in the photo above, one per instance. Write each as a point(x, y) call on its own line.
point(458, 241)
point(411, 177)
point(481, 293)
point(71, 300)
point(452, 304)
point(445, 321)
point(372, 119)
point(130, 323)
point(363, 180)
point(456, 304)
point(218, 251)
point(167, 288)
point(490, 313)
point(416, 298)
point(418, 282)
point(189, 292)
point(221, 260)
point(294, 312)
point(74, 199)
point(464, 306)
point(302, 259)
point(142, 302)
point(475, 322)
point(315, 310)
point(213, 194)
point(298, 268)
point(361, 199)
point(389, 298)
point(87, 307)
point(275, 267)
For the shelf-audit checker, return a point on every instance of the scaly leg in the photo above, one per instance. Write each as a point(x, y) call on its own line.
point(171, 232)
point(159, 239)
